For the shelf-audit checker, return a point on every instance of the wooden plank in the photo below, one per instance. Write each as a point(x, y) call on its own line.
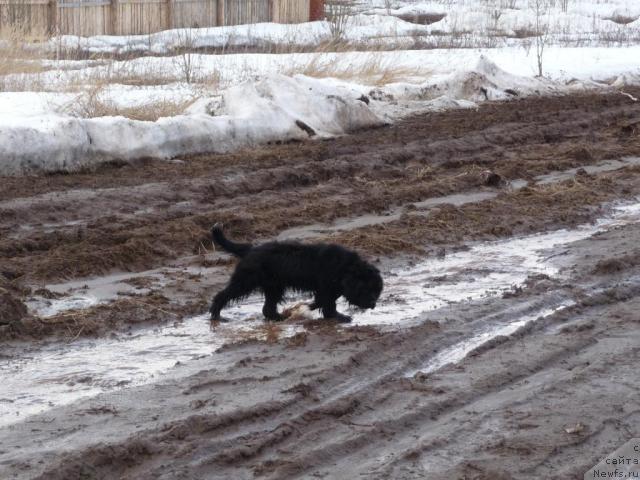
point(30, 17)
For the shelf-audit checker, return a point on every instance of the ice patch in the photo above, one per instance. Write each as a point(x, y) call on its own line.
point(55, 374)
point(460, 350)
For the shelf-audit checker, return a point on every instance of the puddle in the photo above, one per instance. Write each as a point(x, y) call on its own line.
point(53, 375)
point(607, 166)
point(41, 377)
point(485, 270)
point(457, 199)
point(87, 293)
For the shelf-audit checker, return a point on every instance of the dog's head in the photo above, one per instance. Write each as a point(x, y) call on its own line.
point(362, 285)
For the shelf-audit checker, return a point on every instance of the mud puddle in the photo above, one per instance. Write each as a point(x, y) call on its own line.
point(41, 377)
point(52, 375)
point(85, 293)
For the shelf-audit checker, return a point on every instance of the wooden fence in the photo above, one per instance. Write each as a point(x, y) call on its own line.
point(135, 17)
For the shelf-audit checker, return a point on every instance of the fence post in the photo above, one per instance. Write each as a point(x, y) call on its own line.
point(220, 20)
point(114, 17)
point(170, 11)
point(52, 18)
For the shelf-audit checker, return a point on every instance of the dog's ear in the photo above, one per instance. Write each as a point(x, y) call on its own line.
point(351, 286)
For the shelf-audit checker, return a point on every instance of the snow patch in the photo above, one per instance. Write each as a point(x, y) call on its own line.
point(465, 88)
point(253, 113)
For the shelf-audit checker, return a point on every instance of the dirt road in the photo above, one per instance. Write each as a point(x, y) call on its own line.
point(505, 344)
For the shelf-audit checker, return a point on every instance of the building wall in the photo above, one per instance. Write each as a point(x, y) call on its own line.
point(316, 10)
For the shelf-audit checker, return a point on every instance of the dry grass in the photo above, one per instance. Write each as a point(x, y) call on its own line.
point(94, 103)
point(372, 70)
point(15, 57)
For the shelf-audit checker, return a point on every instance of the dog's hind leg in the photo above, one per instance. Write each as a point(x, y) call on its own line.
point(231, 292)
point(327, 303)
point(272, 297)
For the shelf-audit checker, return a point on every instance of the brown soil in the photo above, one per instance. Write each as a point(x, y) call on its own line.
point(141, 216)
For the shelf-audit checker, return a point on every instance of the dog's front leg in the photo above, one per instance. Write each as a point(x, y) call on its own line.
point(328, 305)
point(231, 292)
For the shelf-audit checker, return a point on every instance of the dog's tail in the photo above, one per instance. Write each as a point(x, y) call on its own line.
point(239, 249)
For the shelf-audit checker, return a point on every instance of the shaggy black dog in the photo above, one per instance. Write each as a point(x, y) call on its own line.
point(329, 271)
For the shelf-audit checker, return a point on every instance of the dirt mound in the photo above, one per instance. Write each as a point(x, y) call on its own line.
point(611, 266)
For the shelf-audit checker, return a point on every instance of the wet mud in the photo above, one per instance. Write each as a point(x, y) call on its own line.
point(508, 317)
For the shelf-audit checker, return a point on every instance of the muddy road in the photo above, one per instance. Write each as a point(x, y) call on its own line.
point(504, 345)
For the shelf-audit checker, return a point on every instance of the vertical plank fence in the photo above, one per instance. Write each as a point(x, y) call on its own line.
point(193, 13)
point(136, 17)
point(240, 12)
point(29, 17)
point(291, 11)
point(84, 17)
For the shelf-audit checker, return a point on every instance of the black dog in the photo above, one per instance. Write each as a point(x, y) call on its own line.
point(329, 271)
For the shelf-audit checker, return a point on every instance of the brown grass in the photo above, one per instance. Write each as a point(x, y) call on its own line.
point(93, 104)
point(372, 71)
point(15, 57)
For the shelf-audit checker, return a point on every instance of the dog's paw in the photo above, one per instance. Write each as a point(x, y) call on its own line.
point(216, 318)
point(340, 318)
point(274, 318)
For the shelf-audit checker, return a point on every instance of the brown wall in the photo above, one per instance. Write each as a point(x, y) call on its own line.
point(317, 10)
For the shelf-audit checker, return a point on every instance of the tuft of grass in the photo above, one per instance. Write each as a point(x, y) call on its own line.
point(93, 103)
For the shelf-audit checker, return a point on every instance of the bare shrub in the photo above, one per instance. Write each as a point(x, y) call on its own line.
point(541, 9)
point(338, 13)
point(564, 5)
point(187, 62)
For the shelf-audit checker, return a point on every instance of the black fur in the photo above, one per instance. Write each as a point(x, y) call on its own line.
point(329, 271)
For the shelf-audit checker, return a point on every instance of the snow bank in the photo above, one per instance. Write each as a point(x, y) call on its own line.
point(584, 20)
point(359, 28)
point(465, 88)
point(274, 109)
point(213, 37)
point(280, 108)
